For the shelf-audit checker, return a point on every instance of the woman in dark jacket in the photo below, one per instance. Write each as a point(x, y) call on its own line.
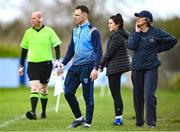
point(146, 42)
point(117, 61)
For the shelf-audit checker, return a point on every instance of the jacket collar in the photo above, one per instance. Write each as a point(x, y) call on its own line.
point(38, 29)
point(121, 31)
point(87, 23)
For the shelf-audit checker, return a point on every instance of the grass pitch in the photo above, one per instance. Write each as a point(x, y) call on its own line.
point(15, 102)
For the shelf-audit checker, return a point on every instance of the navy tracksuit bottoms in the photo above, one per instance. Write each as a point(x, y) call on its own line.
point(80, 74)
point(144, 89)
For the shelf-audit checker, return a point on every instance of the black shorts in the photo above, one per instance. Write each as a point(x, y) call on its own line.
point(40, 71)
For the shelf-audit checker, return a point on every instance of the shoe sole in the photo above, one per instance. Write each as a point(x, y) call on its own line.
point(118, 124)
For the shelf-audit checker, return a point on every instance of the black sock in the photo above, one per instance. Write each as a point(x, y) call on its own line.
point(34, 101)
point(44, 104)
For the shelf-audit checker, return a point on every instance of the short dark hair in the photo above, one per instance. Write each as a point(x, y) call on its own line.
point(83, 8)
point(118, 20)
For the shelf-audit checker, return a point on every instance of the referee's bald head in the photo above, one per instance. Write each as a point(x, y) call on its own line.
point(38, 14)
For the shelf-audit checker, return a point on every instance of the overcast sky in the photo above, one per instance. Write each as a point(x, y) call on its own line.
point(163, 9)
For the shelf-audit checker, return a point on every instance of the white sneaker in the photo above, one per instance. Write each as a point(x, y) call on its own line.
point(86, 125)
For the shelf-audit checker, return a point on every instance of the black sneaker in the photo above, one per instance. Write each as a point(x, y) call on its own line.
point(76, 123)
point(139, 124)
point(31, 115)
point(43, 115)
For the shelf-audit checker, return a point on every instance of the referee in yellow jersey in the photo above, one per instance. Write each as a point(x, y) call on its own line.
point(37, 44)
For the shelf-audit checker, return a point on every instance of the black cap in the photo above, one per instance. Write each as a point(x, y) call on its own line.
point(145, 13)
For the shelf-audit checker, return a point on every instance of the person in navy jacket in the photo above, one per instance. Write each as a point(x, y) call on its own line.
point(146, 42)
point(86, 50)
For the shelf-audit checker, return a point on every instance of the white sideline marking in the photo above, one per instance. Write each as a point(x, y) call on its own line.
point(6, 123)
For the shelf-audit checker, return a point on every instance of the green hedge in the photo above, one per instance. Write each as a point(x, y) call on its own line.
point(174, 83)
point(9, 50)
point(171, 26)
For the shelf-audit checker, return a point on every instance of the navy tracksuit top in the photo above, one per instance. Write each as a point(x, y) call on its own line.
point(146, 47)
point(85, 46)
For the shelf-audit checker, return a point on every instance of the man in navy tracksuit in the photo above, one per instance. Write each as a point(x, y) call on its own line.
point(146, 42)
point(86, 51)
